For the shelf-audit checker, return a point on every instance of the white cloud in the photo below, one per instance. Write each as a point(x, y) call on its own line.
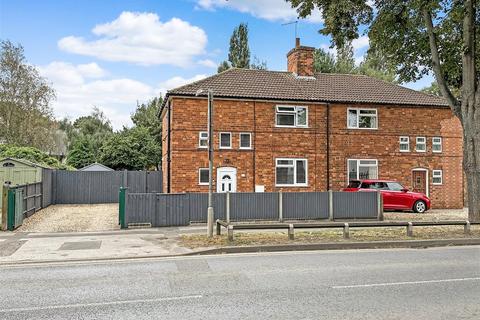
point(143, 39)
point(360, 43)
point(208, 63)
point(78, 89)
point(176, 82)
point(272, 10)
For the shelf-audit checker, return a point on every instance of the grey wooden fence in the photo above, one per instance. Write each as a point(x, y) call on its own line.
point(89, 187)
point(29, 198)
point(181, 209)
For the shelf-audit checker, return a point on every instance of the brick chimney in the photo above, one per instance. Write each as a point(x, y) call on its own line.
point(300, 60)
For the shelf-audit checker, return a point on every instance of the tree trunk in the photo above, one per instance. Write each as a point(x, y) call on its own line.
point(471, 158)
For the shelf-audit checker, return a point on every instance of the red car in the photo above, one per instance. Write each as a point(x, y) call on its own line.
point(395, 196)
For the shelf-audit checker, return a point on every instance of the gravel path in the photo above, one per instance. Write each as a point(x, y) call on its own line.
point(73, 218)
point(430, 215)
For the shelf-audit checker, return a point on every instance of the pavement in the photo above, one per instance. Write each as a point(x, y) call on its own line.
point(434, 283)
point(23, 247)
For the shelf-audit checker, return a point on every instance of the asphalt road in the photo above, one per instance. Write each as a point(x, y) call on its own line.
point(437, 283)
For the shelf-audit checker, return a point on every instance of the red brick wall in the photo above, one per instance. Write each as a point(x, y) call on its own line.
point(257, 166)
point(300, 61)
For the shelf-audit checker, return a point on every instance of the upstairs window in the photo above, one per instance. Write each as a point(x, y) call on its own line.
point(203, 176)
point(203, 139)
point(404, 144)
point(291, 172)
point(245, 140)
point(437, 177)
point(225, 140)
point(437, 144)
point(291, 116)
point(362, 119)
point(421, 144)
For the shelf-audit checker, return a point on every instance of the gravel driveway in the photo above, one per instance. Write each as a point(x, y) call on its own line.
point(430, 215)
point(73, 218)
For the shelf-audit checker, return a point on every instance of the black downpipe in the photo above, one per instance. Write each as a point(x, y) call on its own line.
point(168, 146)
point(328, 146)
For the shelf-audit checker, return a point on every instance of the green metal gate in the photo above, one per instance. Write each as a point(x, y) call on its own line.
point(15, 208)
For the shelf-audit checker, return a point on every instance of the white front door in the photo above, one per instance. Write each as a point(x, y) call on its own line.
point(226, 179)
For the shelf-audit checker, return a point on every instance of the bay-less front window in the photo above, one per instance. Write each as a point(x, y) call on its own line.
point(291, 172)
point(362, 119)
point(291, 116)
point(404, 144)
point(437, 144)
point(362, 169)
point(225, 140)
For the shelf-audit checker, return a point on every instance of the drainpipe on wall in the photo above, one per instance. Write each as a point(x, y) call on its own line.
point(328, 146)
point(168, 146)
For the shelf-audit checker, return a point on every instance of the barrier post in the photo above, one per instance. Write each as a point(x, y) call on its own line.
point(121, 208)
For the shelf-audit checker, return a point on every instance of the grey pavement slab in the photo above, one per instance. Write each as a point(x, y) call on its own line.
point(81, 245)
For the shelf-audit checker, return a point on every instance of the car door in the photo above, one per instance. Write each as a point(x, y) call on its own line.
point(399, 199)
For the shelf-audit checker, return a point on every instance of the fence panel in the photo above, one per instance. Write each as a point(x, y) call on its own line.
point(47, 187)
point(154, 181)
point(90, 187)
point(355, 205)
point(199, 206)
point(254, 206)
point(177, 209)
point(140, 208)
point(305, 205)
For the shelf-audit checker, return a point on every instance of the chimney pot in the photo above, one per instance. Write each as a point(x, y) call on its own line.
point(297, 42)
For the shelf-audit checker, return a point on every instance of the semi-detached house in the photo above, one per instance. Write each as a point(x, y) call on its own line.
point(304, 131)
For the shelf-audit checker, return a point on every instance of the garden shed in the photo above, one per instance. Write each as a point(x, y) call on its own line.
point(18, 172)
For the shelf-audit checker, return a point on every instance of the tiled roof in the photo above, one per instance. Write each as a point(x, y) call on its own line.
point(324, 87)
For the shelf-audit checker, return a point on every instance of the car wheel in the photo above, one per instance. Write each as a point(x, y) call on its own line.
point(419, 207)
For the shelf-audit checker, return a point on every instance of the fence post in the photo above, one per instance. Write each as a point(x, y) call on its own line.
point(410, 229)
point(330, 205)
point(280, 206)
point(346, 231)
point(11, 210)
point(121, 208)
point(291, 232)
point(380, 206)
point(227, 207)
point(466, 227)
point(3, 218)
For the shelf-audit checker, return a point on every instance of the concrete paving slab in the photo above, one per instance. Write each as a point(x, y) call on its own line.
point(81, 245)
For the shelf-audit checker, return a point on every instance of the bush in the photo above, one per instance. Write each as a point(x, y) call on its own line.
point(33, 155)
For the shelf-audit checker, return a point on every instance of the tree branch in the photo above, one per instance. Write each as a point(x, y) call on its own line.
point(437, 69)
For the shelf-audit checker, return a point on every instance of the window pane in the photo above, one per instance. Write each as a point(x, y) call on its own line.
point(367, 122)
point(285, 175)
point(352, 119)
point(352, 169)
point(225, 140)
point(286, 119)
point(285, 162)
point(371, 112)
point(287, 109)
point(301, 172)
point(244, 140)
point(394, 186)
point(369, 172)
point(368, 162)
point(203, 175)
point(301, 116)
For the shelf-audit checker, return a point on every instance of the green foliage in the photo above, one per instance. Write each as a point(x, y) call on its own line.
point(223, 66)
point(31, 154)
point(239, 54)
point(258, 64)
point(83, 151)
point(25, 115)
point(86, 136)
point(131, 149)
point(324, 61)
point(146, 115)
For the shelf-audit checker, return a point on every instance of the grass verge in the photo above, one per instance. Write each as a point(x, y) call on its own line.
point(244, 238)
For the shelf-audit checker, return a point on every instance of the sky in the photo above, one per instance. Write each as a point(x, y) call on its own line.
point(115, 53)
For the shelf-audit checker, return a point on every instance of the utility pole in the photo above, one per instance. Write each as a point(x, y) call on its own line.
point(210, 213)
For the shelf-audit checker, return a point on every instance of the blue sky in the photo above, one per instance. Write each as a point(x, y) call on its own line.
point(113, 53)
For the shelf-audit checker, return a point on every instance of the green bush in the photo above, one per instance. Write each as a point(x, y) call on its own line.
point(33, 155)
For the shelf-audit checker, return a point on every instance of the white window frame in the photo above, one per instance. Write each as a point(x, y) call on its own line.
point(358, 118)
point(437, 174)
point(200, 138)
point(294, 113)
point(220, 140)
point(200, 183)
point(439, 143)
point(240, 140)
point(358, 167)
point(407, 143)
point(424, 142)
point(295, 184)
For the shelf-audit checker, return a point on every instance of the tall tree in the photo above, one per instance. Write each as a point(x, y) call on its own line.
point(324, 61)
point(239, 53)
point(419, 37)
point(25, 114)
point(345, 60)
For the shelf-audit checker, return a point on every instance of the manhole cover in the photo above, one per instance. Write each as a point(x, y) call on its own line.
point(81, 245)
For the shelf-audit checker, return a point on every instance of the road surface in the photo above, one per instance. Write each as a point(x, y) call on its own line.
point(437, 283)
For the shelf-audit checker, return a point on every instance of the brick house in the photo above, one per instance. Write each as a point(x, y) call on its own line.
point(301, 131)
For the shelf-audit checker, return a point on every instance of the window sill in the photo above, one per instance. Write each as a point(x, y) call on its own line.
point(351, 128)
point(420, 151)
point(292, 127)
point(405, 151)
